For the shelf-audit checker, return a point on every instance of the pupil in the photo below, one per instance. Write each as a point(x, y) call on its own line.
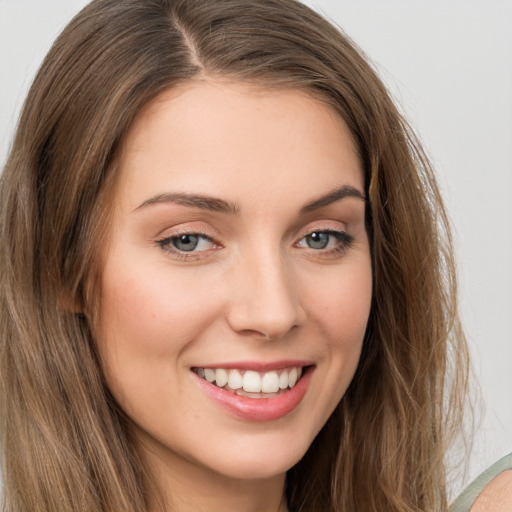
point(318, 240)
point(186, 242)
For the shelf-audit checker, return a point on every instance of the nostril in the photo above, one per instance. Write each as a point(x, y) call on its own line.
point(254, 333)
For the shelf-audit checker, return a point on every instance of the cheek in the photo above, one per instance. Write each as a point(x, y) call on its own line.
point(144, 307)
point(340, 308)
point(148, 318)
point(341, 304)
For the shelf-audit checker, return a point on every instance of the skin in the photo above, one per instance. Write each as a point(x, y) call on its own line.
point(253, 289)
point(497, 496)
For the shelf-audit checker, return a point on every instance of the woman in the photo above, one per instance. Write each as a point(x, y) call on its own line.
point(227, 278)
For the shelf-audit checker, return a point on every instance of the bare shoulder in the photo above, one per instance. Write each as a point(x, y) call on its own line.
point(497, 496)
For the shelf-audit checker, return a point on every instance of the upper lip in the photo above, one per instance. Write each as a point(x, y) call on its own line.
point(258, 366)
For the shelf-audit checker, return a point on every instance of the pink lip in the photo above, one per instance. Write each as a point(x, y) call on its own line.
point(258, 409)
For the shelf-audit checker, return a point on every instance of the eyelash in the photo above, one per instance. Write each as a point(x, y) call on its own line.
point(344, 242)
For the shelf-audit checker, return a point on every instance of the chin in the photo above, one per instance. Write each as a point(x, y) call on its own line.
point(261, 458)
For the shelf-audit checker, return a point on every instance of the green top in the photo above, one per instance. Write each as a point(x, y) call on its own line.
point(465, 501)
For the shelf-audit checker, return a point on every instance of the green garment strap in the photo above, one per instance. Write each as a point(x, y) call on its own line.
point(465, 501)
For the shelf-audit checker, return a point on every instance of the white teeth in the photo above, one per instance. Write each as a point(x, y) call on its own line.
point(235, 379)
point(283, 379)
point(292, 377)
point(252, 381)
point(209, 374)
point(221, 377)
point(270, 383)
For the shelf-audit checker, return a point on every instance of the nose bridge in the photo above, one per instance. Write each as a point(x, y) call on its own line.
point(264, 298)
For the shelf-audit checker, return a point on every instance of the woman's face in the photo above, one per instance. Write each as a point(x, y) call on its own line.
point(237, 279)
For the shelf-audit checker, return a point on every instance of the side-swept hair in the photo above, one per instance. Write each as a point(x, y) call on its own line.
point(66, 445)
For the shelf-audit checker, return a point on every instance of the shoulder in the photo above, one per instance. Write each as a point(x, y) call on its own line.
point(496, 496)
point(490, 492)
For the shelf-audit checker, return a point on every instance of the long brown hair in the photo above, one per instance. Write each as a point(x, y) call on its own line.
point(66, 444)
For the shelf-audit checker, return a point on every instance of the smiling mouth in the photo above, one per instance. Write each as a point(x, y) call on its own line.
point(250, 383)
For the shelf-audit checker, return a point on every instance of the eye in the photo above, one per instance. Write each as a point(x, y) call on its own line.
point(318, 240)
point(187, 243)
point(326, 240)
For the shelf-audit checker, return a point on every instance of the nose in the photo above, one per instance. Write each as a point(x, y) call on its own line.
point(263, 298)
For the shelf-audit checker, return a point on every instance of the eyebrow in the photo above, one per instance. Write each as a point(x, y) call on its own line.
point(213, 204)
point(222, 206)
point(331, 197)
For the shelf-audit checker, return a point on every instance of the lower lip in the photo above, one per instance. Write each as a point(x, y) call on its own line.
point(259, 409)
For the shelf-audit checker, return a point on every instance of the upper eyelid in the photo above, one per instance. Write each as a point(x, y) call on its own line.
point(216, 235)
point(318, 227)
point(324, 229)
point(186, 232)
point(302, 234)
point(175, 231)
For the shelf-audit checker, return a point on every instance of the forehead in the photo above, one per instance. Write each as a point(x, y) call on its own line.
point(215, 134)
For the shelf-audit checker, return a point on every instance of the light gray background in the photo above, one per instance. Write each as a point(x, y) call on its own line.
point(448, 63)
